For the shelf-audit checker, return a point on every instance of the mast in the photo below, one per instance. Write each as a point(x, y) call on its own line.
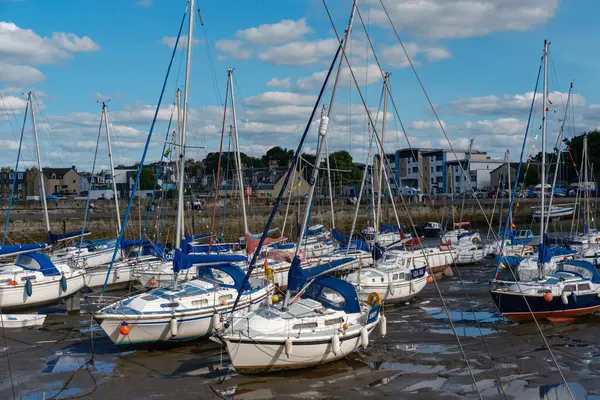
point(329, 177)
point(509, 216)
point(543, 191)
point(381, 156)
point(39, 160)
point(238, 158)
point(175, 140)
point(322, 134)
point(586, 178)
point(188, 64)
point(112, 167)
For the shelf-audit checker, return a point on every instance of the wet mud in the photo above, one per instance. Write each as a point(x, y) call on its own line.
point(421, 357)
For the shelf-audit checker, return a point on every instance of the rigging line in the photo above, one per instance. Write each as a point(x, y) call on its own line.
point(438, 214)
point(381, 148)
point(49, 129)
point(148, 140)
point(463, 172)
point(12, 193)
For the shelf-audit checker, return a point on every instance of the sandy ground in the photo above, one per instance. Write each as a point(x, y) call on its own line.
point(419, 358)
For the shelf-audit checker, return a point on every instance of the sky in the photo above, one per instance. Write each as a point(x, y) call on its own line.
point(478, 61)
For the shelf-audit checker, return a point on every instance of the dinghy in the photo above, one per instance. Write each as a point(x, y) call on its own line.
point(15, 321)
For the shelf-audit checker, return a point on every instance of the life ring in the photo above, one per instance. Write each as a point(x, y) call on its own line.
point(374, 299)
point(270, 274)
point(597, 239)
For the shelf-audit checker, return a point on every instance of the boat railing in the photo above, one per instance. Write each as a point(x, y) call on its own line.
point(97, 301)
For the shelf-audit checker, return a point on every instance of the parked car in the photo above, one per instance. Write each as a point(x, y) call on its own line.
point(51, 197)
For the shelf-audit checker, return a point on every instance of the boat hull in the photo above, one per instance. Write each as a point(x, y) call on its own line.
point(400, 291)
point(45, 292)
point(513, 306)
point(120, 276)
point(259, 355)
point(149, 328)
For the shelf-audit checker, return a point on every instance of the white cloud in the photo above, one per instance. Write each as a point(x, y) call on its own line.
point(24, 46)
point(279, 98)
point(284, 83)
point(464, 18)
point(282, 31)
point(507, 126)
point(364, 75)
point(395, 56)
point(233, 48)
point(74, 43)
point(8, 144)
point(170, 42)
point(20, 74)
point(13, 104)
point(299, 53)
point(424, 125)
point(508, 104)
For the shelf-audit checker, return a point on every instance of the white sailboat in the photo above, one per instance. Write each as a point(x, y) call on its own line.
point(321, 318)
point(193, 308)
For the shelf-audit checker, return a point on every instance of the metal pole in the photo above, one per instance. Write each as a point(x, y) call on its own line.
point(381, 156)
point(39, 160)
point(188, 64)
point(543, 190)
point(112, 167)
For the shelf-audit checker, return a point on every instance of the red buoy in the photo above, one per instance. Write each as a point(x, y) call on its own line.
point(124, 329)
point(152, 282)
point(12, 282)
point(548, 296)
point(430, 279)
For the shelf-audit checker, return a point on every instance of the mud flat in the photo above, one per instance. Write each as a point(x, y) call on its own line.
point(419, 358)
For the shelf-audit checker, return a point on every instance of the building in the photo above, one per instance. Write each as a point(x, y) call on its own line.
point(58, 181)
point(477, 171)
point(435, 170)
point(498, 174)
point(7, 177)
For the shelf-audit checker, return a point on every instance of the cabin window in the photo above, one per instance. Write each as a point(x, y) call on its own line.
point(395, 278)
point(200, 303)
point(570, 288)
point(225, 297)
point(28, 278)
point(401, 276)
point(306, 325)
point(334, 321)
point(170, 305)
point(382, 279)
point(372, 280)
point(583, 286)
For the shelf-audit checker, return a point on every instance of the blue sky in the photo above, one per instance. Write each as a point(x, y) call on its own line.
point(477, 59)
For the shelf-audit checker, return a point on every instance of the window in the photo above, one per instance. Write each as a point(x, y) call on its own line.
point(20, 176)
point(457, 179)
point(431, 169)
point(20, 186)
point(395, 277)
point(306, 325)
point(73, 180)
point(439, 157)
point(570, 288)
point(438, 168)
point(415, 170)
point(334, 321)
point(11, 176)
point(583, 286)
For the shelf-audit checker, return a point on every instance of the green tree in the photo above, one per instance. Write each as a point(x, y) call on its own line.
point(342, 160)
point(147, 179)
point(282, 156)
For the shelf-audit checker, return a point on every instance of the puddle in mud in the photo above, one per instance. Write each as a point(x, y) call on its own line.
point(427, 348)
point(462, 316)
point(70, 363)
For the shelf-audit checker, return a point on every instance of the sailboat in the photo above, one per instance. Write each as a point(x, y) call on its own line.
point(321, 318)
point(570, 289)
point(33, 279)
point(194, 308)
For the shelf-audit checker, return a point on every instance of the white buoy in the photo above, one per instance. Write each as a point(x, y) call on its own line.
point(173, 325)
point(564, 298)
point(335, 344)
point(323, 125)
point(216, 321)
point(364, 337)
point(391, 288)
point(288, 347)
point(383, 326)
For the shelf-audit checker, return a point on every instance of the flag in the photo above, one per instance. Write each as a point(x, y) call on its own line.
point(547, 109)
point(549, 101)
point(502, 265)
point(167, 152)
point(555, 110)
point(297, 185)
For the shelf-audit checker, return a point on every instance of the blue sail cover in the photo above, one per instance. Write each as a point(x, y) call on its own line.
point(358, 245)
point(232, 270)
point(339, 237)
point(582, 268)
point(37, 262)
point(323, 284)
point(298, 276)
point(156, 250)
point(259, 235)
point(183, 261)
point(466, 234)
point(546, 253)
point(190, 248)
point(136, 242)
point(13, 249)
point(58, 237)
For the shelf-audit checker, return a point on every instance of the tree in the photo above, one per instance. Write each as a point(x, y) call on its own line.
point(342, 160)
point(147, 179)
point(282, 156)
